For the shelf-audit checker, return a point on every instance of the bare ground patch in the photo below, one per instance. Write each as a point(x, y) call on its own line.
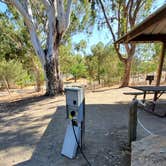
point(32, 130)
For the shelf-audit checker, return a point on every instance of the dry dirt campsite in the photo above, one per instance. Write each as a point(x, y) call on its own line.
point(99, 46)
point(32, 129)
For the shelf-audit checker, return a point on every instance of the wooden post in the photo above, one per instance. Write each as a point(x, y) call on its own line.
point(132, 128)
point(161, 61)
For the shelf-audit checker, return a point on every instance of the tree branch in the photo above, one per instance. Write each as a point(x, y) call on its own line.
point(51, 28)
point(106, 18)
point(3, 1)
point(111, 30)
point(119, 29)
point(68, 13)
point(46, 3)
point(60, 16)
point(130, 12)
point(29, 10)
point(138, 3)
point(131, 51)
point(22, 10)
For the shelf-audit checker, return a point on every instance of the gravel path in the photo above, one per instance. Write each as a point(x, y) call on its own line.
point(32, 131)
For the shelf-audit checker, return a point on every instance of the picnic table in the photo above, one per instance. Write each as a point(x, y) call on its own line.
point(156, 90)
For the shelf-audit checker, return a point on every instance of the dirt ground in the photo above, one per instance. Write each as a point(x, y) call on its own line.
point(32, 130)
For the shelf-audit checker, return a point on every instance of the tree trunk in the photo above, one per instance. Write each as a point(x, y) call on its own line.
point(99, 80)
point(98, 74)
point(6, 84)
point(37, 74)
point(161, 62)
point(54, 83)
point(75, 79)
point(127, 70)
point(38, 80)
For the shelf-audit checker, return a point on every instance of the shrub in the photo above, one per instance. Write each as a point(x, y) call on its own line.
point(13, 73)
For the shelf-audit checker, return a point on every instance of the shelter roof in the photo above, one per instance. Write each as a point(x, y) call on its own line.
point(152, 29)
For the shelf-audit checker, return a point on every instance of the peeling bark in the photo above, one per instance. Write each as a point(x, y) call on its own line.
point(54, 80)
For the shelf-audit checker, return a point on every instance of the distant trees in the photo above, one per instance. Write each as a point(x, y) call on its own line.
point(99, 56)
point(12, 72)
point(45, 26)
point(103, 64)
point(78, 68)
point(71, 63)
point(120, 17)
point(145, 60)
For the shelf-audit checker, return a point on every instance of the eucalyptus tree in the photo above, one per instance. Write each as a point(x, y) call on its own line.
point(120, 17)
point(15, 44)
point(47, 21)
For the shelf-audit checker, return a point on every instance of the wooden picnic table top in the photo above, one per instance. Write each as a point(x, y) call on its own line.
point(150, 88)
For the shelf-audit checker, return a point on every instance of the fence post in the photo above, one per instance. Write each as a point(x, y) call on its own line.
point(132, 128)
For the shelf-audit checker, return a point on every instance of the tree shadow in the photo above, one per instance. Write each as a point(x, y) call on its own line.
point(19, 127)
point(105, 138)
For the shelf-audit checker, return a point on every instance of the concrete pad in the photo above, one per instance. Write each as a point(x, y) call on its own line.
point(149, 151)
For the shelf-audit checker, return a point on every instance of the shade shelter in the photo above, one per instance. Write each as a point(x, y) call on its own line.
point(152, 29)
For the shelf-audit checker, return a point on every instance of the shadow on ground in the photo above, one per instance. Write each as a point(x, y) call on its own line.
point(105, 138)
point(105, 135)
point(15, 118)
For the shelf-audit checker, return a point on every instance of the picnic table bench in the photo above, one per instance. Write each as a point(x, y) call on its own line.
point(156, 90)
point(135, 94)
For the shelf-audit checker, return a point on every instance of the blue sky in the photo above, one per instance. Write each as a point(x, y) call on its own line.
point(103, 35)
point(2, 7)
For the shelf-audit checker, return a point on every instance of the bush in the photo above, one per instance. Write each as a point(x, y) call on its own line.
point(13, 73)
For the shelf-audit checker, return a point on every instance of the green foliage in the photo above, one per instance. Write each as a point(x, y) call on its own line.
point(143, 67)
point(65, 58)
point(80, 20)
point(13, 72)
point(71, 63)
point(78, 68)
point(81, 46)
point(146, 60)
point(16, 45)
point(91, 64)
point(104, 64)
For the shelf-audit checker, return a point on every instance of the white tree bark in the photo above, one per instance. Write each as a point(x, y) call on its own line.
point(58, 20)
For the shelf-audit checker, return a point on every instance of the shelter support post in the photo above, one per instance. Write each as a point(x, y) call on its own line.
point(132, 128)
point(161, 62)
